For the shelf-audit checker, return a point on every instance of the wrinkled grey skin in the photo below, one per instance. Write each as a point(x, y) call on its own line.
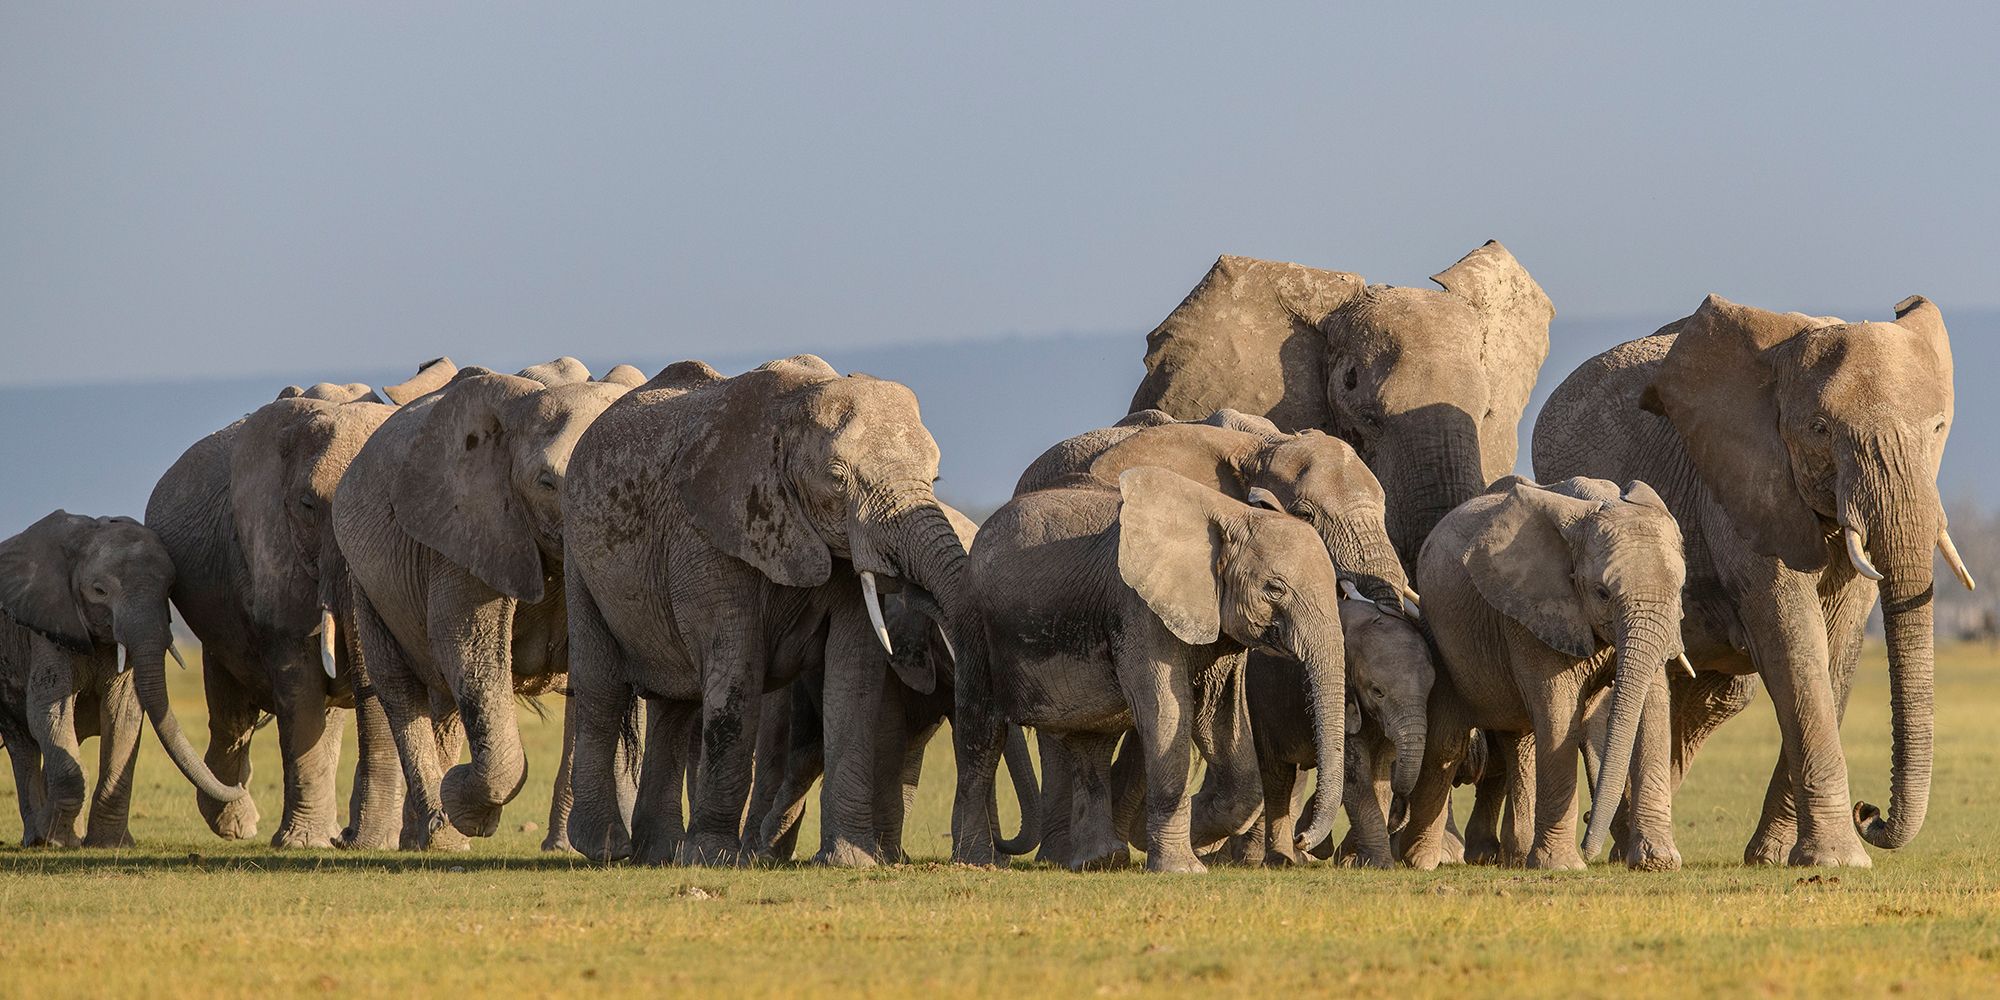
point(1770, 434)
point(717, 530)
point(73, 591)
point(1427, 385)
point(1389, 678)
point(451, 524)
point(1131, 608)
point(1539, 597)
point(917, 700)
point(246, 515)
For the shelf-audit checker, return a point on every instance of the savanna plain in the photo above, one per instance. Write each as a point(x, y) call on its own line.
point(188, 914)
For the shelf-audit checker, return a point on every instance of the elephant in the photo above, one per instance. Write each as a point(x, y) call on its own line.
point(1131, 608)
point(1800, 455)
point(450, 521)
point(725, 536)
point(918, 700)
point(1390, 672)
point(1540, 596)
point(84, 599)
point(244, 513)
point(1427, 385)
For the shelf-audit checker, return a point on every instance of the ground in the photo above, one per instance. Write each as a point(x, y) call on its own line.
point(187, 914)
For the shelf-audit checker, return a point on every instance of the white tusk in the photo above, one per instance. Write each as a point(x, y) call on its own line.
point(326, 632)
point(1858, 557)
point(121, 657)
point(953, 653)
point(175, 652)
point(1411, 605)
point(1682, 659)
point(1950, 553)
point(1350, 591)
point(1411, 596)
point(874, 602)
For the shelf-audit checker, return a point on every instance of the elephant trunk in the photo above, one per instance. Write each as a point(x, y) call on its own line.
point(1902, 527)
point(1325, 664)
point(146, 635)
point(1021, 770)
point(1647, 629)
point(1428, 463)
point(1362, 552)
point(1410, 735)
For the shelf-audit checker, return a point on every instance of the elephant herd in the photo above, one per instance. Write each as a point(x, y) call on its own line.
point(1302, 550)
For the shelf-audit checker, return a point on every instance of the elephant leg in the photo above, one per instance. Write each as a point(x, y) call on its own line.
point(1777, 830)
point(601, 705)
point(657, 821)
point(472, 640)
point(1094, 844)
point(562, 797)
point(27, 761)
point(1161, 696)
point(119, 722)
point(52, 720)
point(915, 744)
point(1489, 802)
point(1555, 789)
point(1789, 647)
point(1515, 762)
point(309, 748)
point(377, 800)
point(406, 705)
point(1280, 825)
point(1367, 841)
point(732, 683)
point(774, 735)
point(802, 764)
point(853, 702)
point(1421, 842)
point(1058, 790)
point(1232, 788)
point(1652, 812)
point(232, 720)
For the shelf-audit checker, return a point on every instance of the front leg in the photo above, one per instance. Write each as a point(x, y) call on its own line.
point(1233, 789)
point(1058, 790)
point(472, 641)
point(853, 704)
point(232, 720)
point(52, 721)
point(1652, 813)
point(732, 684)
point(1160, 695)
point(118, 725)
point(309, 750)
point(1421, 842)
point(26, 758)
point(406, 707)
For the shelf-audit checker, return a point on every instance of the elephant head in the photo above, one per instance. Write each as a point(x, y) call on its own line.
point(1428, 385)
point(1813, 434)
point(481, 480)
point(85, 583)
point(1581, 564)
point(1390, 672)
point(1210, 566)
point(1319, 478)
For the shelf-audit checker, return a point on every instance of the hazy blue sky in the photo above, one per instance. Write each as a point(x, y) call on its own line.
point(221, 189)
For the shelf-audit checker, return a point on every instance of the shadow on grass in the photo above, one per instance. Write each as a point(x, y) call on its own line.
point(47, 861)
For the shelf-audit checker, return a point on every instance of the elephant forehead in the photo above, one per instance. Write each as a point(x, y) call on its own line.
point(1879, 365)
point(1416, 316)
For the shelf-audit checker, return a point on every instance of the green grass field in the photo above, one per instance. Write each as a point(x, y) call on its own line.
point(187, 914)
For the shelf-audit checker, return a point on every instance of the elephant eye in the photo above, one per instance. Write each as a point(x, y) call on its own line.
point(98, 589)
point(1274, 589)
point(1603, 592)
point(306, 501)
point(1939, 429)
point(1818, 425)
point(1352, 378)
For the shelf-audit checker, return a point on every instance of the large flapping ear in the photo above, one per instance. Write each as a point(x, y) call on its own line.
point(264, 490)
point(1717, 385)
point(36, 589)
point(430, 375)
point(1918, 315)
point(1247, 337)
point(1169, 545)
point(1522, 565)
point(729, 469)
point(1638, 492)
point(561, 371)
point(455, 491)
point(1516, 313)
point(625, 375)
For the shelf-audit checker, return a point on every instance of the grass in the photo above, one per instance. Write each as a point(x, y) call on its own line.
point(186, 914)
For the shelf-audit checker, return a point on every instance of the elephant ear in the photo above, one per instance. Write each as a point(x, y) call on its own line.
point(1716, 385)
point(1248, 423)
point(1919, 316)
point(561, 371)
point(430, 376)
point(1521, 563)
point(1168, 547)
point(625, 375)
point(1638, 492)
point(455, 493)
point(1516, 313)
point(263, 485)
point(35, 586)
point(730, 470)
point(349, 393)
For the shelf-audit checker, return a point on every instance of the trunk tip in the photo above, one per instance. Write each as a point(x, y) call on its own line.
point(1873, 828)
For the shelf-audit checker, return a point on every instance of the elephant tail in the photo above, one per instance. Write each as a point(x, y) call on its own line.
point(1021, 770)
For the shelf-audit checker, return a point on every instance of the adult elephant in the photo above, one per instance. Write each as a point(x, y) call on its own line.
point(245, 514)
point(1800, 457)
point(451, 526)
point(1427, 385)
point(726, 535)
point(83, 648)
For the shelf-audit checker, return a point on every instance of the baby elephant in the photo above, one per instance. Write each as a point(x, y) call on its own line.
point(1532, 593)
point(1131, 609)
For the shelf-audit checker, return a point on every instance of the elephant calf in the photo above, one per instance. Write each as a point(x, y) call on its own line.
point(1110, 610)
point(83, 599)
point(1532, 592)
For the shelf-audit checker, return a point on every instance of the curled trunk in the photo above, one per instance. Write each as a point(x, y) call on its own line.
point(147, 658)
point(1326, 701)
point(1646, 633)
point(1900, 539)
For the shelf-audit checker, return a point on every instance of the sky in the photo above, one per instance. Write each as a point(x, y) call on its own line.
point(211, 190)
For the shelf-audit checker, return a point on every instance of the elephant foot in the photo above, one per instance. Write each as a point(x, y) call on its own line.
point(287, 838)
point(557, 842)
point(1174, 861)
point(712, 851)
point(1482, 851)
point(230, 820)
point(63, 839)
point(1368, 859)
point(1653, 855)
point(1115, 859)
point(114, 839)
point(844, 853)
point(1556, 858)
point(663, 851)
point(1835, 851)
point(1767, 849)
point(371, 838)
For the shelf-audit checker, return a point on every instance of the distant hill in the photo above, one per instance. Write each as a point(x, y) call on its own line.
point(992, 404)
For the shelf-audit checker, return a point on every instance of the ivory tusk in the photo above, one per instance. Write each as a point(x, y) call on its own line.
point(1858, 557)
point(1682, 659)
point(874, 602)
point(175, 652)
point(1411, 605)
point(1349, 591)
point(326, 633)
point(121, 657)
point(942, 634)
point(1411, 596)
point(1950, 553)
